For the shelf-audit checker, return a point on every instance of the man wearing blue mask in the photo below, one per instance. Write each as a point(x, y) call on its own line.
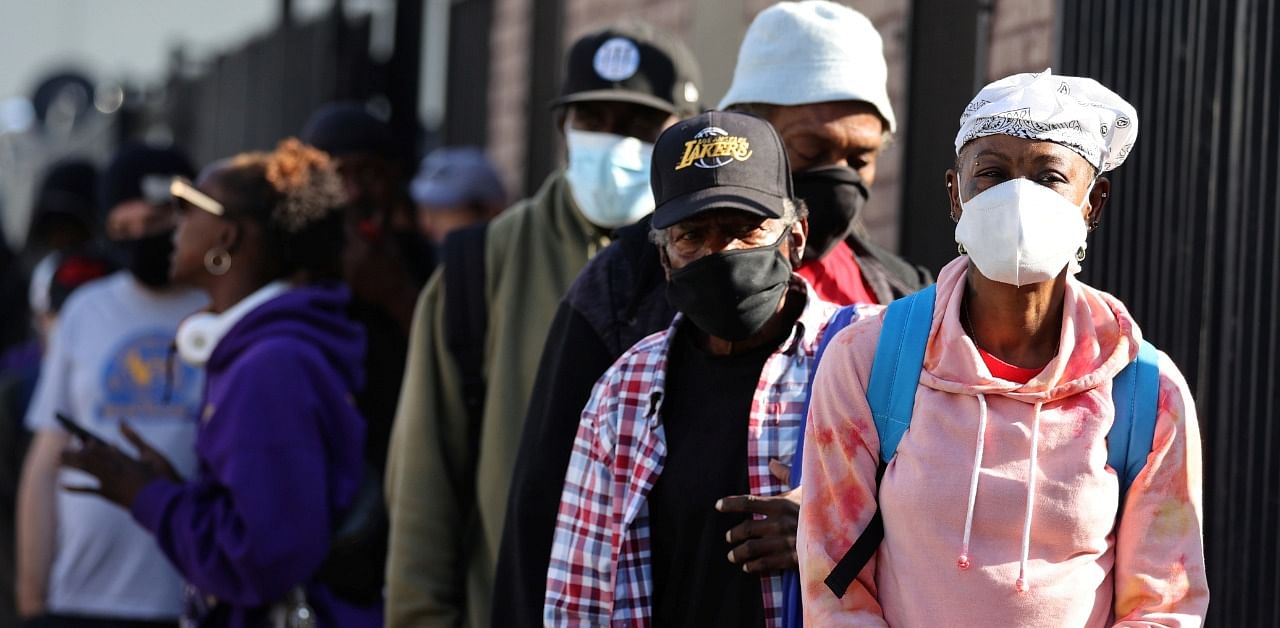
point(481, 322)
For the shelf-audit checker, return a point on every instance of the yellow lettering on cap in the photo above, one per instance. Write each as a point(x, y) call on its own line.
point(714, 152)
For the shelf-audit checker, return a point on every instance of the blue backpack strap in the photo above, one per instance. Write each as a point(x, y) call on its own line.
point(895, 373)
point(891, 393)
point(1135, 392)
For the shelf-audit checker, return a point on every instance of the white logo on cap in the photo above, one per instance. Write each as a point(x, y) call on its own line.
point(617, 59)
point(690, 92)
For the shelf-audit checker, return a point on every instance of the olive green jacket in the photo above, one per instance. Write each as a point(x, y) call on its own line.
point(447, 480)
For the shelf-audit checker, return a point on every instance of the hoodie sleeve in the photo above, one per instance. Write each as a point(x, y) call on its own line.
point(430, 466)
point(1159, 570)
point(257, 521)
point(841, 454)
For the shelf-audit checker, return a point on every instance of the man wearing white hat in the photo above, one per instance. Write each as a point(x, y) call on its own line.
point(816, 71)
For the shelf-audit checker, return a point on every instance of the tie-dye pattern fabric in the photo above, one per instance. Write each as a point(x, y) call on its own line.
point(1084, 568)
point(600, 559)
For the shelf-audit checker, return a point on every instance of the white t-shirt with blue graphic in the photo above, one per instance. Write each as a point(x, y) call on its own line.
point(107, 361)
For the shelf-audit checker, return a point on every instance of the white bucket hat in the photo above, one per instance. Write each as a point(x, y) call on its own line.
point(798, 53)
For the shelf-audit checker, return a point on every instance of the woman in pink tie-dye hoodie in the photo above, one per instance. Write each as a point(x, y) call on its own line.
point(999, 507)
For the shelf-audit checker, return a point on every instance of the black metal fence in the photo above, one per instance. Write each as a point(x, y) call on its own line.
point(1191, 243)
point(251, 97)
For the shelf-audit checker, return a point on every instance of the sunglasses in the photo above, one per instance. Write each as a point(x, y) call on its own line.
point(182, 190)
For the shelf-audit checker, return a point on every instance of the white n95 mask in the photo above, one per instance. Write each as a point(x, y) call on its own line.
point(609, 177)
point(1019, 232)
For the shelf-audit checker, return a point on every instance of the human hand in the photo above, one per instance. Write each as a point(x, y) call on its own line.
point(120, 477)
point(150, 456)
point(768, 544)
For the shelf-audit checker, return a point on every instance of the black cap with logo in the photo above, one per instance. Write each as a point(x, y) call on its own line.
point(719, 160)
point(632, 62)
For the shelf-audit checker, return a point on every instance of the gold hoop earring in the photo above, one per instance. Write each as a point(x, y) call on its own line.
point(1080, 254)
point(217, 261)
point(960, 249)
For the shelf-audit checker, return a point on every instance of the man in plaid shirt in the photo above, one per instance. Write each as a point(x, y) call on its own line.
point(673, 510)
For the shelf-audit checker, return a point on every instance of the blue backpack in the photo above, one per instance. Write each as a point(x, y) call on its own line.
point(891, 393)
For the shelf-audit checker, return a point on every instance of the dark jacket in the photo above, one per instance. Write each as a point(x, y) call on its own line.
point(280, 450)
point(618, 299)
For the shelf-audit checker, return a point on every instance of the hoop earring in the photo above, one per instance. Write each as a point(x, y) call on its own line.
point(1080, 254)
point(960, 249)
point(217, 261)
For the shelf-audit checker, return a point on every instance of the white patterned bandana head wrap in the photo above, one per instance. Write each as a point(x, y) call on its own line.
point(1076, 112)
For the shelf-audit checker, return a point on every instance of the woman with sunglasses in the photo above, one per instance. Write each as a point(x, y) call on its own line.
point(280, 441)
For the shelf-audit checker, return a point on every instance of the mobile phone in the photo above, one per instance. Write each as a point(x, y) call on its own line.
point(75, 429)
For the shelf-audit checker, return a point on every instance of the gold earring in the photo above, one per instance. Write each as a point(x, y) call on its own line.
point(1080, 254)
point(960, 249)
point(217, 261)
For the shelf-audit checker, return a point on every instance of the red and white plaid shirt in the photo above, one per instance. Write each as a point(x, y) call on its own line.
point(600, 570)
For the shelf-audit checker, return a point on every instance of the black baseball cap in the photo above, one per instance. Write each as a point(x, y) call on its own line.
point(636, 63)
point(138, 170)
point(343, 128)
point(719, 160)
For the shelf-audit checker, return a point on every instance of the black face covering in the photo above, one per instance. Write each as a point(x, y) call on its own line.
point(148, 258)
point(835, 195)
point(731, 295)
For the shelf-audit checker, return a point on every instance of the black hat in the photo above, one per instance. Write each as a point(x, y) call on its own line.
point(137, 169)
point(67, 201)
point(342, 128)
point(632, 62)
point(719, 160)
point(69, 189)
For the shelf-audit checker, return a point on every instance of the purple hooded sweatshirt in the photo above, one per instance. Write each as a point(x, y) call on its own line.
point(280, 453)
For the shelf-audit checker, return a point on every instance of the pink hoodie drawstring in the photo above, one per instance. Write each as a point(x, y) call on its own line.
point(1021, 585)
point(963, 561)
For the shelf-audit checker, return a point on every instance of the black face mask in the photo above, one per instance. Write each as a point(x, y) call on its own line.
point(148, 258)
point(731, 295)
point(835, 195)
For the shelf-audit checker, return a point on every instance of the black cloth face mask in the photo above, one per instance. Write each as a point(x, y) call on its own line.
point(148, 258)
point(732, 294)
point(835, 196)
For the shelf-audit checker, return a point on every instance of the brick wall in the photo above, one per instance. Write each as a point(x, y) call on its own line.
point(1022, 34)
point(508, 89)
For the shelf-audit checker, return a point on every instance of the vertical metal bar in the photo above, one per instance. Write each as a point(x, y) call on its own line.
point(1192, 245)
point(546, 39)
point(938, 87)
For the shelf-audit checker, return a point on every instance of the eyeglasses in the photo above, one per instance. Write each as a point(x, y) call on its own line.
point(182, 190)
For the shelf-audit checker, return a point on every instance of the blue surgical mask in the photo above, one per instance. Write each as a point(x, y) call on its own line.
point(609, 177)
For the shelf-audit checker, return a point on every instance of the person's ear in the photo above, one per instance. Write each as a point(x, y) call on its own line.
point(1098, 198)
point(799, 238)
point(561, 116)
point(953, 193)
point(229, 235)
point(665, 260)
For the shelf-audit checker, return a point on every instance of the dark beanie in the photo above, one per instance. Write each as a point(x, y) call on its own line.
point(342, 128)
point(122, 181)
point(70, 188)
